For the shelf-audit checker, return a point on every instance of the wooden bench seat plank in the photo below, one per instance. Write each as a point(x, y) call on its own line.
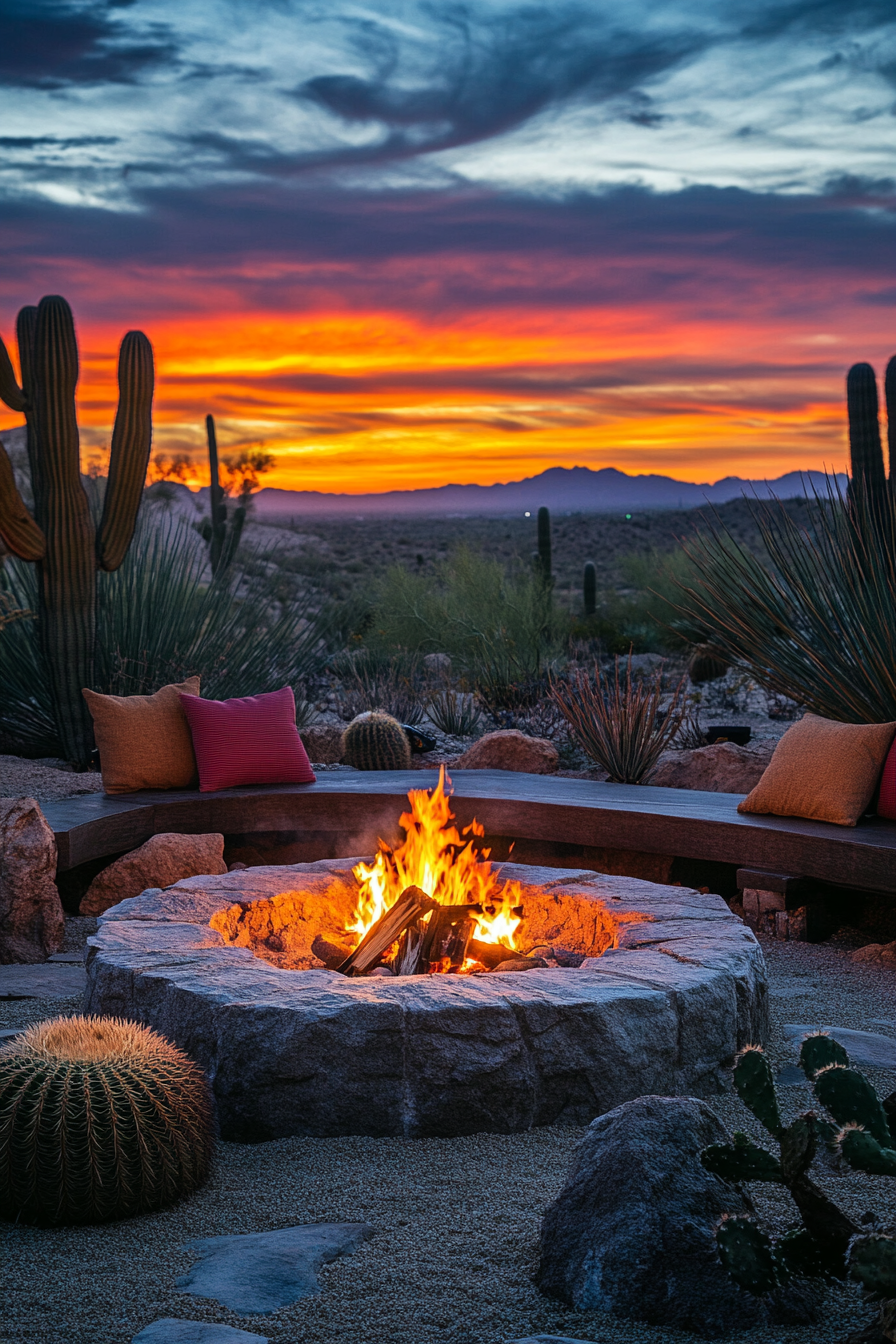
point(680, 822)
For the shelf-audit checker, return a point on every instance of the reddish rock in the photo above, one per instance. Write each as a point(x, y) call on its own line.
point(510, 750)
point(323, 743)
point(31, 918)
point(165, 859)
point(877, 954)
point(721, 768)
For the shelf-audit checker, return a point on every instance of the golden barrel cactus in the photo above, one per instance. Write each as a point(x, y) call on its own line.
point(99, 1119)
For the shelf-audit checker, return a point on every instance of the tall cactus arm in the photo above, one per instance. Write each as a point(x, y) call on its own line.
point(68, 572)
point(17, 528)
point(864, 431)
point(10, 392)
point(131, 442)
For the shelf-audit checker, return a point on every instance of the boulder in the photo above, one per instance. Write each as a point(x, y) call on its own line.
point(510, 749)
point(877, 954)
point(31, 918)
point(323, 743)
point(437, 664)
point(164, 859)
point(633, 1230)
point(721, 768)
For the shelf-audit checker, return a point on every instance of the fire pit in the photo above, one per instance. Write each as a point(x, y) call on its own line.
point(425, 992)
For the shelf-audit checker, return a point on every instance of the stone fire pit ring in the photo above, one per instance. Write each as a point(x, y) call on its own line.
point(679, 987)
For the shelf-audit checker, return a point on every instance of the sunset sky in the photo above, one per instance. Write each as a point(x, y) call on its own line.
point(415, 243)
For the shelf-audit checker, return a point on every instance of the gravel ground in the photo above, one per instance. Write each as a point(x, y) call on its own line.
point(43, 780)
point(456, 1220)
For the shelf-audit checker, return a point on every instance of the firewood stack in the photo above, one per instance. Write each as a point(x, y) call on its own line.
point(442, 944)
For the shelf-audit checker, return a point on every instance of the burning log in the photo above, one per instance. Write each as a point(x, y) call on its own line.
point(331, 954)
point(490, 954)
point(411, 904)
point(447, 937)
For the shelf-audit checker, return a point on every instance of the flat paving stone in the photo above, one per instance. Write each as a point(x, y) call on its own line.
point(263, 1271)
point(173, 1330)
point(43, 981)
point(864, 1047)
point(67, 958)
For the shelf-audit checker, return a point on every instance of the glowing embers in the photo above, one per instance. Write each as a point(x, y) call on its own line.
point(434, 904)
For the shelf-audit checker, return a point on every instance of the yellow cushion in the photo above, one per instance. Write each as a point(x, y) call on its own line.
point(144, 740)
point(824, 771)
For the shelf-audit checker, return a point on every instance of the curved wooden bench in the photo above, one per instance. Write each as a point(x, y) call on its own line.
point(348, 812)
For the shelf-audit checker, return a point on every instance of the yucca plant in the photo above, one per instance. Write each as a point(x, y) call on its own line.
point(159, 620)
point(99, 1119)
point(453, 712)
point(813, 618)
point(619, 722)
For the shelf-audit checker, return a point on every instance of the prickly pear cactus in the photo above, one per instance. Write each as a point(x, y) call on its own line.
point(828, 1244)
point(375, 741)
point(61, 538)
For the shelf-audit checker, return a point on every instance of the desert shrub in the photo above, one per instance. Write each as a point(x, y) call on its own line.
point(160, 620)
point(813, 616)
point(371, 681)
point(620, 722)
point(453, 712)
point(500, 628)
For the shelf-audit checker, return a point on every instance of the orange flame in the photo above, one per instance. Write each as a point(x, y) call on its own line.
point(437, 858)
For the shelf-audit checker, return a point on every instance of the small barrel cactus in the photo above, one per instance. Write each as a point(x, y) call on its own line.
point(376, 741)
point(99, 1119)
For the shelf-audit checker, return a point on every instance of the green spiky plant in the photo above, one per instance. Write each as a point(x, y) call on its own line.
point(62, 539)
point(812, 615)
point(376, 742)
point(862, 1131)
point(99, 1119)
point(589, 588)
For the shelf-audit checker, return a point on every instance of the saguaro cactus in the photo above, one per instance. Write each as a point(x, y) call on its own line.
point(545, 565)
point(61, 538)
point(869, 475)
point(589, 587)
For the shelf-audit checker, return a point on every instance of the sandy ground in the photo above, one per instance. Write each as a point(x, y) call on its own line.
point(456, 1220)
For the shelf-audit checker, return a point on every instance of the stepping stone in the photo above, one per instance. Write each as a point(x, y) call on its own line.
point(864, 1047)
point(44, 981)
point(10, 1033)
point(547, 1339)
point(264, 1271)
point(791, 1076)
point(67, 958)
point(172, 1330)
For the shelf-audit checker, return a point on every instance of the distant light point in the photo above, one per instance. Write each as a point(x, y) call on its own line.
point(527, 514)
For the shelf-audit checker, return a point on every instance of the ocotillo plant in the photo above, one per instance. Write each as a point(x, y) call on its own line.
point(589, 588)
point(62, 539)
point(829, 1244)
point(869, 474)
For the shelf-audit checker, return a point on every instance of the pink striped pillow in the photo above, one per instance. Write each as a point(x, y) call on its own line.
point(253, 740)
point(886, 802)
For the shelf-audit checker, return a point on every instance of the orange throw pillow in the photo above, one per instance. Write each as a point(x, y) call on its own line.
point(144, 740)
point(823, 771)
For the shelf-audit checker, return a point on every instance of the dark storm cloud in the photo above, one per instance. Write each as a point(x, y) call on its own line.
point(52, 43)
point(493, 74)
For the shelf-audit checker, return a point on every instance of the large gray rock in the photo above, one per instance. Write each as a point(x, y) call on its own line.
point(633, 1230)
point(722, 768)
point(309, 1051)
point(31, 918)
point(174, 1330)
point(166, 858)
point(264, 1271)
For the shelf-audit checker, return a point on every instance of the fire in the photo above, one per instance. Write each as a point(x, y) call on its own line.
point(439, 859)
